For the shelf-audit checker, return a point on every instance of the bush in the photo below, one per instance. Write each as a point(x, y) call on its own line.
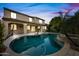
point(1, 34)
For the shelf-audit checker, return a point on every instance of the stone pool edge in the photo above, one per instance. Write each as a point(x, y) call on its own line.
point(9, 50)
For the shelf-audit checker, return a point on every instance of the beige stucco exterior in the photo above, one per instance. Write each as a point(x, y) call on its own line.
point(22, 23)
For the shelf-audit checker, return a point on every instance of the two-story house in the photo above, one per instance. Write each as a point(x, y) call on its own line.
point(21, 23)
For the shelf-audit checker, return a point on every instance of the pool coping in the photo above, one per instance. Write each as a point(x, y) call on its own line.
point(10, 39)
point(15, 36)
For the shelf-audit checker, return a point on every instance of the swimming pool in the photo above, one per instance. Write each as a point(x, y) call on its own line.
point(36, 45)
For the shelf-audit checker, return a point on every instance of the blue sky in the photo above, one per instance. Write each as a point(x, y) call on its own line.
point(43, 10)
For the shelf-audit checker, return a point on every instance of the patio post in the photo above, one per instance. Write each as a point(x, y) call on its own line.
point(25, 28)
point(5, 29)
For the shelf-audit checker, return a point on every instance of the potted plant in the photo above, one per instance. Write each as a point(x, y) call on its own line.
point(2, 47)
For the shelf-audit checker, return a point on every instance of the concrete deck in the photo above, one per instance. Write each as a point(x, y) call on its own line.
point(65, 51)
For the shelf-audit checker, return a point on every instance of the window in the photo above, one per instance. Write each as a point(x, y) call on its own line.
point(38, 27)
point(13, 27)
point(28, 27)
point(13, 15)
point(33, 28)
point(30, 19)
point(44, 27)
point(40, 21)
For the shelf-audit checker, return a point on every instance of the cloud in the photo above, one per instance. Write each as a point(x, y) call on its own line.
point(42, 10)
point(45, 15)
point(74, 4)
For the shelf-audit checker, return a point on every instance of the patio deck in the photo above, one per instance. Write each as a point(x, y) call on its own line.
point(65, 51)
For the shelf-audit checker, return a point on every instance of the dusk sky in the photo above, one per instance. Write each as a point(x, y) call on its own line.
point(45, 11)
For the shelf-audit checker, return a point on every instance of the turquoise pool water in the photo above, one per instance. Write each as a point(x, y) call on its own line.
point(44, 44)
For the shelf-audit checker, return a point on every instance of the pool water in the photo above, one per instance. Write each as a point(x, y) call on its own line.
point(44, 44)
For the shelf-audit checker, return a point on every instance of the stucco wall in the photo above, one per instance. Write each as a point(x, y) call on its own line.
point(19, 16)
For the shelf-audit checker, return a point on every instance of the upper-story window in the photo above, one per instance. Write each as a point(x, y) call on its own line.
point(13, 15)
point(30, 19)
point(40, 21)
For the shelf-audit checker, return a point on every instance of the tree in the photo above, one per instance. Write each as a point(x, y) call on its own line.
point(67, 24)
point(1, 33)
point(2, 47)
point(55, 24)
point(71, 25)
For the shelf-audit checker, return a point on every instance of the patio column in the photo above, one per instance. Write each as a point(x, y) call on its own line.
point(25, 28)
point(5, 28)
point(41, 28)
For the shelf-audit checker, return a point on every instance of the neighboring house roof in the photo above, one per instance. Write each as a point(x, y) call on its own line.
point(22, 13)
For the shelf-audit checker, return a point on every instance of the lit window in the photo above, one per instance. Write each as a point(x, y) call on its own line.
point(13, 15)
point(45, 27)
point(40, 21)
point(33, 28)
point(28, 27)
point(13, 27)
point(38, 27)
point(30, 19)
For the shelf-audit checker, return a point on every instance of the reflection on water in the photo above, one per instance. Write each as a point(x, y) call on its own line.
point(35, 45)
